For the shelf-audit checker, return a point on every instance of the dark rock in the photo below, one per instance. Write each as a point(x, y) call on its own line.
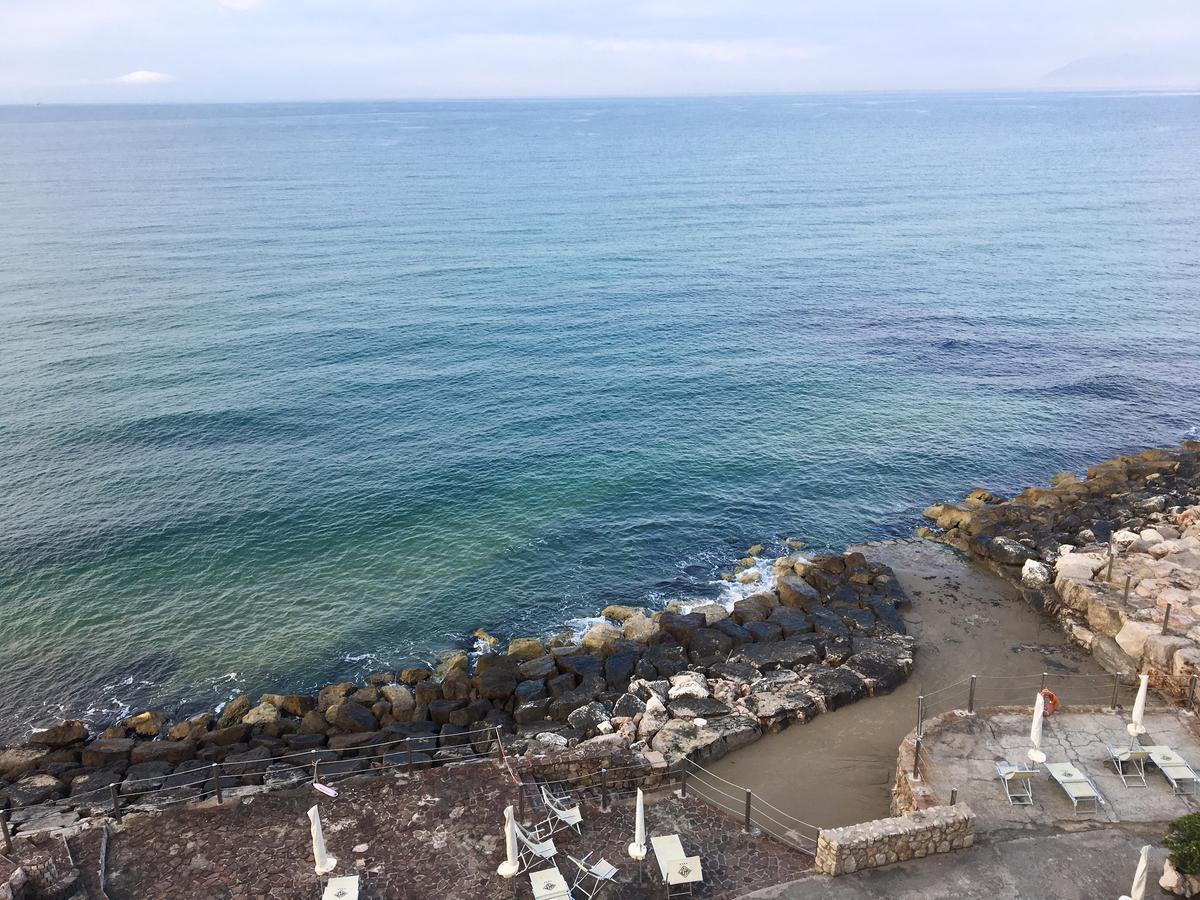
point(224, 737)
point(709, 644)
point(312, 723)
point(698, 708)
point(795, 592)
point(529, 691)
point(404, 761)
point(561, 684)
point(33, 789)
point(1007, 551)
point(456, 685)
point(353, 718)
point(497, 683)
point(825, 582)
point(791, 621)
point(61, 735)
point(764, 632)
point(734, 631)
point(499, 718)
point(645, 670)
point(453, 736)
point(618, 669)
point(147, 776)
point(588, 718)
point(827, 623)
point(249, 766)
point(282, 775)
point(340, 742)
point(93, 788)
point(837, 686)
point(173, 752)
point(853, 616)
point(341, 767)
point(667, 659)
point(17, 761)
point(329, 696)
point(581, 664)
point(190, 776)
point(775, 654)
point(107, 753)
point(737, 672)
point(881, 672)
point(755, 608)
point(628, 706)
point(439, 710)
point(681, 625)
point(885, 612)
point(233, 711)
point(562, 706)
point(541, 668)
point(534, 711)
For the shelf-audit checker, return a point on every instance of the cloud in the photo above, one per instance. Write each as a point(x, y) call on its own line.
point(143, 76)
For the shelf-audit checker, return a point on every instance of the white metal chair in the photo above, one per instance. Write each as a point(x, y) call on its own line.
point(533, 849)
point(1130, 763)
point(561, 816)
point(1018, 783)
point(601, 874)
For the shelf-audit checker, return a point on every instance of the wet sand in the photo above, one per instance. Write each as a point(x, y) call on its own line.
point(839, 768)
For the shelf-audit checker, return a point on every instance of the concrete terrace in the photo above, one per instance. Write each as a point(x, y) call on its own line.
point(961, 753)
point(437, 833)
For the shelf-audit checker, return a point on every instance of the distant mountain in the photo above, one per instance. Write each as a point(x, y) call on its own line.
point(1132, 71)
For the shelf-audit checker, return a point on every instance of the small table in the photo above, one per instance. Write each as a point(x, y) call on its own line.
point(343, 888)
point(549, 884)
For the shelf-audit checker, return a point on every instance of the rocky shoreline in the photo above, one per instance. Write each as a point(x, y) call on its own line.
point(1114, 557)
point(683, 682)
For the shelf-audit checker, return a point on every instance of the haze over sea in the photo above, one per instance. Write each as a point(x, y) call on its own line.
point(293, 393)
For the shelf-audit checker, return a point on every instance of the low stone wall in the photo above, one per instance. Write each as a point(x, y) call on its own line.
point(940, 829)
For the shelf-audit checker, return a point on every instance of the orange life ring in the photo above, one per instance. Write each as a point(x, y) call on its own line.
point(1052, 701)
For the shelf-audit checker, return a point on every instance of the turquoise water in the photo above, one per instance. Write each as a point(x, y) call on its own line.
point(297, 392)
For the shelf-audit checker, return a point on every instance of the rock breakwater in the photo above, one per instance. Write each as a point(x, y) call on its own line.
point(692, 682)
point(1113, 557)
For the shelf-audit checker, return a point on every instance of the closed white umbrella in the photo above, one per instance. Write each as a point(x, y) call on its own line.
point(1135, 727)
point(511, 864)
point(1138, 891)
point(637, 850)
point(323, 862)
point(1035, 730)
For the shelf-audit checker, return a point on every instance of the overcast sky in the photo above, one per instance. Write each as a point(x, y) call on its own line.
point(176, 50)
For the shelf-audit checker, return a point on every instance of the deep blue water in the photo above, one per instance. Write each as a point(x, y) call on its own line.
point(296, 392)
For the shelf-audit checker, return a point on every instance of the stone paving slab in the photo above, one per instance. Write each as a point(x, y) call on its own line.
point(964, 754)
point(437, 834)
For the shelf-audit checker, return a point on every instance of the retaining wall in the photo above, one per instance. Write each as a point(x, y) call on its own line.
point(939, 829)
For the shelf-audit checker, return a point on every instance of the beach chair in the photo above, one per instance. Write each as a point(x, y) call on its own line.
point(1018, 783)
point(679, 873)
point(342, 888)
point(1130, 763)
point(561, 815)
point(1174, 768)
point(533, 848)
point(598, 875)
point(1077, 786)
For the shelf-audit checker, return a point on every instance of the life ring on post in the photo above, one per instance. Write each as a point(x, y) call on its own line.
point(1052, 701)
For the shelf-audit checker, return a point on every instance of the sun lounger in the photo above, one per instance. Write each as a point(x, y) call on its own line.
point(679, 873)
point(1077, 786)
point(1018, 783)
point(561, 815)
point(532, 849)
point(1176, 770)
point(549, 884)
point(597, 875)
point(1130, 763)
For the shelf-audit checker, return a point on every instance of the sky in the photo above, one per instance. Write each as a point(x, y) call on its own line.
point(115, 51)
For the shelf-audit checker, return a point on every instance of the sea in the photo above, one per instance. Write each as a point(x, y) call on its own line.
point(292, 393)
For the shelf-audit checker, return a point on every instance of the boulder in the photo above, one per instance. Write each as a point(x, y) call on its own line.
point(618, 669)
point(401, 699)
point(249, 766)
point(738, 673)
point(653, 719)
point(588, 718)
point(680, 626)
point(1133, 636)
point(529, 691)
point(684, 738)
point(225, 737)
point(708, 643)
point(795, 592)
point(33, 789)
point(881, 672)
point(1007, 551)
point(262, 715)
point(782, 704)
point(600, 639)
point(1108, 653)
point(147, 776)
point(628, 706)
point(541, 668)
point(93, 787)
point(688, 684)
point(667, 659)
point(282, 775)
point(778, 653)
point(312, 723)
point(456, 684)
point(233, 711)
point(146, 724)
point(107, 753)
point(61, 735)
point(533, 711)
point(619, 613)
point(351, 717)
point(525, 648)
point(765, 632)
point(712, 612)
point(561, 684)
point(791, 621)
point(835, 687)
point(733, 631)
point(698, 708)
point(755, 608)
point(191, 729)
point(1036, 574)
point(641, 628)
point(580, 664)
point(440, 710)
point(292, 704)
point(414, 674)
point(172, 752)
point(331, 695)
point(497, 683)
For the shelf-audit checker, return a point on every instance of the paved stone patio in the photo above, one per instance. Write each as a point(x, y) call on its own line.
point(964, 753)
point(435, 834)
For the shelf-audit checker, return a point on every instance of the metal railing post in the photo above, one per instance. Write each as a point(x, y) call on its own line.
point(747, 822)
point(953, 796)
point(916, 772)
point(116, 802)
point(1166, 618)
point(1192, 692)
point(409, 752)
point(1125, 599)
point(499, 749)
point(520, 800)
point(1116, 688)
point(217, 781)
point(1043, 687)
point(971, 695)
point(683, 781)
point(920, 714)
point(604, 789)
point(4, 832)
point(1111, 557)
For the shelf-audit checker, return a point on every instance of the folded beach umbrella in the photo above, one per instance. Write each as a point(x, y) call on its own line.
point(637, 850)
point(1135, 727)
point(511, 864)
point(324, 863)
point(1138, 891)
point(1035, 731)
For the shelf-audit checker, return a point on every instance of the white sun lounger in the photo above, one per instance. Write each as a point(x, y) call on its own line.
point(1175, 768)
point(601, 873)
point(342, 888)
point(1130, 763)
point(533, 849)
point(1018, 783)
point(549, 884)
point(678, 872)
point(561, 816)
point(1077, 786)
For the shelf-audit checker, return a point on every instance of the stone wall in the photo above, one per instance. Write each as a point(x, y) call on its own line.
point(940, 829)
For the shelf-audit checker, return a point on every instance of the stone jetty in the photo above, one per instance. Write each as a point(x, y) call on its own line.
point(682, 682)
point(1114, 557)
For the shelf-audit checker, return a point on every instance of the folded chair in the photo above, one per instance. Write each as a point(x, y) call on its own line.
point(533, 849)
point(679, 873)
point(598, 875)
point(1077, 786)
point(1018, 783)
point(1130, 763)
point(1176, 770)
point(561, 816)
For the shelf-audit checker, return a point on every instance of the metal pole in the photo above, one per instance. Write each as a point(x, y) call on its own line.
point(499, 750)
point(916, 760)
point(8, 847)
point(1043, 681)
point(1166, 618)
point(920, 714)
point(747, 822)
point(217, 781)
point(520, 800)
point(1192, 692)
point(408, 750)
point(604, 789)
point(1108, 574)
point(953, 796)
point(116, 802)
point(1125, 599)
point(683, 782)
point(1116, 688)
point(971, 696)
